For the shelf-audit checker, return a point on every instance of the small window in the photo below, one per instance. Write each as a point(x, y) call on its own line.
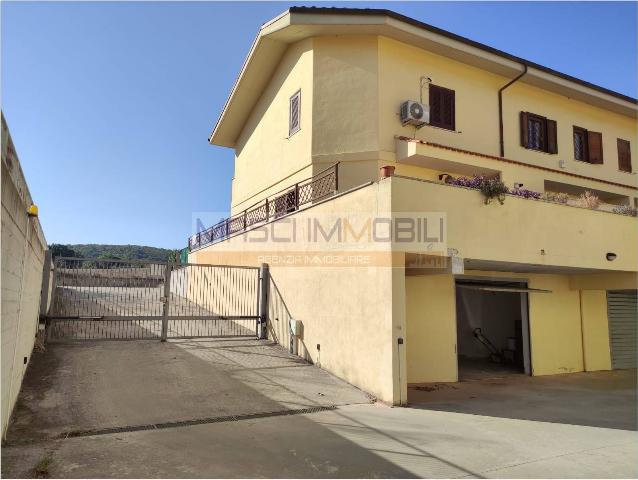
point(538, 133)
point(295, 114)
point(442, 107)
point(580, 144)
point(588, 146)
point(624, 155)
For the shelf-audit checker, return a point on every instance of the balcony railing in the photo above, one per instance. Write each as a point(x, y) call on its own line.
point(288, 200)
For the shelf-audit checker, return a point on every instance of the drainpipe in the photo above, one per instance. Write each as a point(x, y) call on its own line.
point(500, 109)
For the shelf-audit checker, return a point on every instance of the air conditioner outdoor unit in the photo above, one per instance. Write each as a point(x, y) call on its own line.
point(414, 113)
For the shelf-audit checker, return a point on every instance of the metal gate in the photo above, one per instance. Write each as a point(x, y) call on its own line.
point(96, 299)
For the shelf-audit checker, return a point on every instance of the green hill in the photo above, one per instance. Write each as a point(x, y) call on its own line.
point(121, 252)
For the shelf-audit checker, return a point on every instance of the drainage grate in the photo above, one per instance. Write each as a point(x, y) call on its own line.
point(188, 423)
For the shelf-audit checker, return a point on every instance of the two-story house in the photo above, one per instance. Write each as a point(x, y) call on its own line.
point(542, 283)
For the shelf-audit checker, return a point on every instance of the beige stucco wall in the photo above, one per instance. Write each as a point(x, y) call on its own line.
point(348, 310)
point(563, 337)
point(568, 113)
point(266, 159)
point(352, 87)
point(555, 327)
point(23, 248)
point(345, 106)
point(431, 329)
point(596, 351)
point(482, 232)
point(356, 85)
point(523, 231)
point(401, 66)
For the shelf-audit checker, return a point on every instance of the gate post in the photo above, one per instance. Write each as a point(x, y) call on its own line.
point(166, 300)
point(264, 282)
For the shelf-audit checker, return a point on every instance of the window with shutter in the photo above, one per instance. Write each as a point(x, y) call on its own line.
point(295, 114)
point(588, 146)
point(538, 133)
point(595, 144)
point(442, 113)
point(581, 150)
point(624, 155)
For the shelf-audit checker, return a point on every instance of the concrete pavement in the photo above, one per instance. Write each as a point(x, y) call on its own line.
point(493, 428)
point(597, 399)
point(365, 441)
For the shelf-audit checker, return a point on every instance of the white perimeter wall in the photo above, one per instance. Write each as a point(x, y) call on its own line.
point(23, 251)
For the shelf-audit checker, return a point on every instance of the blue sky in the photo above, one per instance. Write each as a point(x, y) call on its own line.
point(110, 104)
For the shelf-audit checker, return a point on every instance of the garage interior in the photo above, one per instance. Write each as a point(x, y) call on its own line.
point(492, 329)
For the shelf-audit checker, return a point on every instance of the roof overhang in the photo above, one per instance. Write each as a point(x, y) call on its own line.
point(299, 23)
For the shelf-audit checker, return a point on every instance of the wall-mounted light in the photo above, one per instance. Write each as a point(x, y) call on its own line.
point(32, 211)
point(611, 256)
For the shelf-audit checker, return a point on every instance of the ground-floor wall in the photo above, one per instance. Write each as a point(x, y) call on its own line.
point(431, 329)
point(568, 328)
point(351, 314)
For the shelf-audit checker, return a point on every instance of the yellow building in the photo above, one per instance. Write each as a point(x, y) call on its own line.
point(539, 281)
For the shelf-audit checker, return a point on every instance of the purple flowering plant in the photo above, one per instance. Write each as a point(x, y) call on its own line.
point(525, 193)
point(491, 187)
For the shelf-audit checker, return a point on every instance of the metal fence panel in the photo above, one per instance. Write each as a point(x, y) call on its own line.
point(130, 299)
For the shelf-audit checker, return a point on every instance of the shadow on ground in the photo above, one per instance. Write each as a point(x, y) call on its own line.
point(598, 399)
point(100, 385)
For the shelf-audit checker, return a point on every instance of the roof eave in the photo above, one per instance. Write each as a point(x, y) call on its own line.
point(219, 136)
point(273, 38)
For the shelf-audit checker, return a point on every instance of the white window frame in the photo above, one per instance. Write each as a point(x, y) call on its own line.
point(291, 130)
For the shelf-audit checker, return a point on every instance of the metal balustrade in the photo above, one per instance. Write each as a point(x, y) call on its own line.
point(291, 199)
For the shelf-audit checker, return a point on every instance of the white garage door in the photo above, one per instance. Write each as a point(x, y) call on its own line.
point(621, 307)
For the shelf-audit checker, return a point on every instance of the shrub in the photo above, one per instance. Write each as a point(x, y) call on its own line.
point(493, 188)
point(525, 193)
point(625, 210)
point(556, 197)
point(589, 200)
point(489, 187)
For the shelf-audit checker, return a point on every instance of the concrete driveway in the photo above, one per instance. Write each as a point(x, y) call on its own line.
point(232, 397)
point(91, 387)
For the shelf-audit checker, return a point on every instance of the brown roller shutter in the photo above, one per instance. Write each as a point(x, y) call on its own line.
point(552, 142)
point(442, 113)
point(524, 130)
point(448, 109)
point(595, 143)
point(624, 155)
point(435, 105)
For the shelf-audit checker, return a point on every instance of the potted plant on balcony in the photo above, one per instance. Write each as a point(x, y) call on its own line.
point(493, 188)
point(387, 171)
point(625, 210)
point(589, 200)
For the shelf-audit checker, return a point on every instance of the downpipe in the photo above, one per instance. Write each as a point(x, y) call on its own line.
point(500, 108)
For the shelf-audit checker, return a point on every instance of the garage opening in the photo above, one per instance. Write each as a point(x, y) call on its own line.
point(492, 329)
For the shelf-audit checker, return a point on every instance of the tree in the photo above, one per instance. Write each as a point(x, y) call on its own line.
point(173, 256)
point(59, 250)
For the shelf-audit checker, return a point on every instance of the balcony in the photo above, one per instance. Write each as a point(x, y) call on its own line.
point(291, 199)
point(546, 235)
